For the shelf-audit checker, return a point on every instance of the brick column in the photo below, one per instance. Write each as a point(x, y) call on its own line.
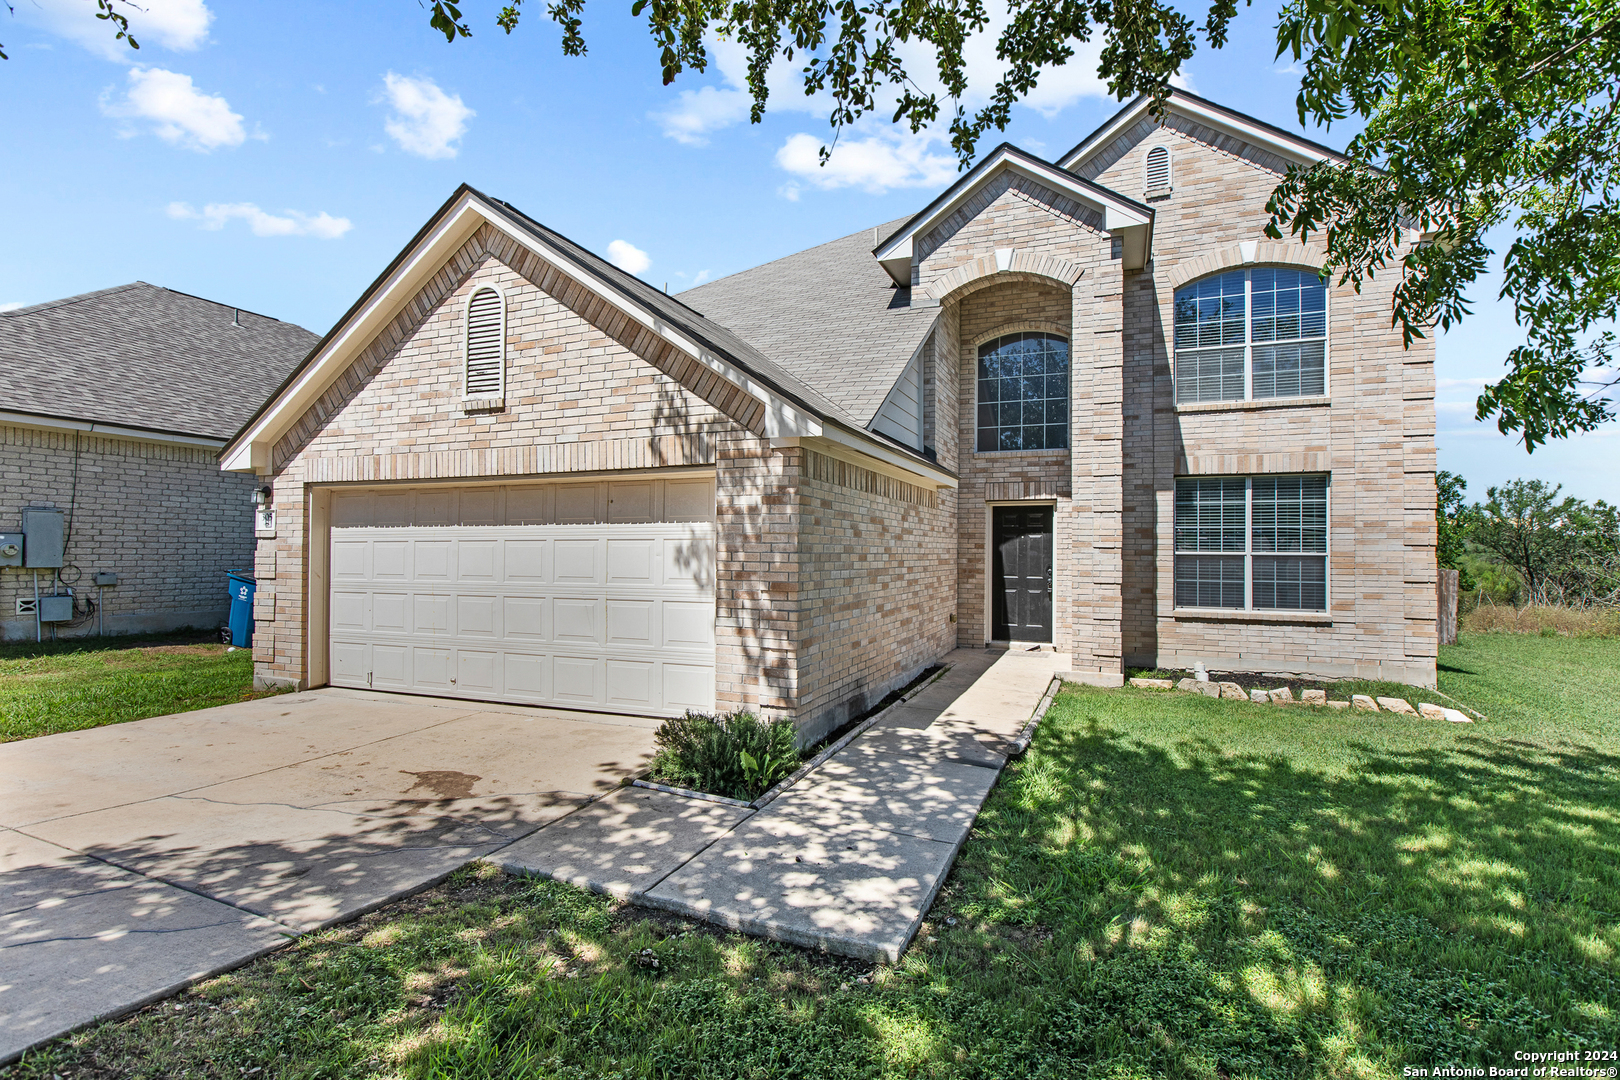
point(1097, 439)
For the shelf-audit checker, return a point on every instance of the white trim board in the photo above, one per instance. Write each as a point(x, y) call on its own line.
point(1123, 218)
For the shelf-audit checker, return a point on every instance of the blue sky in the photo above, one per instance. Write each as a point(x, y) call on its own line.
point(277, 156)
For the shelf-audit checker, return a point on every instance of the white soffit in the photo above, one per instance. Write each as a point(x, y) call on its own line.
point(1122, 217)
point(250, 451)
point(1298, 150)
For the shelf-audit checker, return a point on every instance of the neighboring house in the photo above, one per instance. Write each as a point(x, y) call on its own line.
point(1084, 405)
point(113, 408)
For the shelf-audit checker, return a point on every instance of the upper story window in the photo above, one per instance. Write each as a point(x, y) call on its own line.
point(485, 375)
point(1024, 393)
point(1158, 168)
point(1251, 334)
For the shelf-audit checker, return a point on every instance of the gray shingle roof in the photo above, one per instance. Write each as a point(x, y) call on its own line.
point(816, 393)
point(829, 314)
point(142, 356)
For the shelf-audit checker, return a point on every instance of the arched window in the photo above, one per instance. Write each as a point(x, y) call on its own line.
point(1158, 168)
point(486, 345)
point(1024, 393)
point(1258, 333)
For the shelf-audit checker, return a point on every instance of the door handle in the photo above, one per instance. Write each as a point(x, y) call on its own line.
point(1048, 581)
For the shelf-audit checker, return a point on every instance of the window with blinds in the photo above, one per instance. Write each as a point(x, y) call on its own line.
point(1158, 167)
point(486, 345)
point(1251, 334)
point(1251, 543)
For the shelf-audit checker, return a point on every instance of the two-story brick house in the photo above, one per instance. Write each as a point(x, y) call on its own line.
point(1083, 405)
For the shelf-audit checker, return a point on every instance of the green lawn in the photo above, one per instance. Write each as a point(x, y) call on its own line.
point(68, 685)
point(1165, 885)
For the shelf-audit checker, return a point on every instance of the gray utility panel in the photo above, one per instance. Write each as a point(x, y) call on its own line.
point(42, 539)
point(56, 609)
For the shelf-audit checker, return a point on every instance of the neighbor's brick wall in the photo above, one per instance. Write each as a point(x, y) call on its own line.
point(1375, 435)
point(161, 516)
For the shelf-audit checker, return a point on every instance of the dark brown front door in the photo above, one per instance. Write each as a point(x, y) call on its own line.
point(1021, 573)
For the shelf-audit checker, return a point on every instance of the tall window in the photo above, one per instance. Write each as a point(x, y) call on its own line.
point(1251, 334)
point(1024, 393)
point(1257, 542)
point(486, 345)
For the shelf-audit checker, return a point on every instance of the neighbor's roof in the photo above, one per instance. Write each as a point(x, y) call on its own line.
point(141, 356)
point(830, 315)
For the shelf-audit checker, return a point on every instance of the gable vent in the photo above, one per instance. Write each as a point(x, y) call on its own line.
point(486, 345)
point(1158, 168)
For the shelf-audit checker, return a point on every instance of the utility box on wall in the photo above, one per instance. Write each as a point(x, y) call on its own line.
point(42, 539)
point(11, 549)
point(56, 609)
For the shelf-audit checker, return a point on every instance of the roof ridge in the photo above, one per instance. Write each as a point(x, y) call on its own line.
point(794, 254)
point(49, 305)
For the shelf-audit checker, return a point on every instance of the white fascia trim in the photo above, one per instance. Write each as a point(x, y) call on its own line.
point(251, 453)
point(53, 423)
point(1297, 151)
point(868, 453)
point(895, 254)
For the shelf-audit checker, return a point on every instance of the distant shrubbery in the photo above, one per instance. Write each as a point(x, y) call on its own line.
point(1525, 546)
point(736, 755)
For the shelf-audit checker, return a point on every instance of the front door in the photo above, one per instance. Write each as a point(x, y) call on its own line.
point(1021, 573)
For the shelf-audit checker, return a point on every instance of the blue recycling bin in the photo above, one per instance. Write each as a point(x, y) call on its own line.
point(242, 587)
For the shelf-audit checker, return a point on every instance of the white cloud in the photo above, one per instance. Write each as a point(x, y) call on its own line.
point(12, 305)
point(888, 158)
point(426, 120)
point(171, 24)
point(626, 256)
point(323, 226)
point(180, 113)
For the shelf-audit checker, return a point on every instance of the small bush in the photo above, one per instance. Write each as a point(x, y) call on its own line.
point(736, 755)
point(1545, 619)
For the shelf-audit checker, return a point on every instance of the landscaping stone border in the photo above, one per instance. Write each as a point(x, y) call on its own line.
point(1317, 698)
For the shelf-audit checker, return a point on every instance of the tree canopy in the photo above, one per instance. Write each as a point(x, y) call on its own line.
point(1475, 114)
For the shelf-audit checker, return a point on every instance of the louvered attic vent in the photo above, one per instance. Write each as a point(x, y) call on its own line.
point(486, 347)
point(1158, 168)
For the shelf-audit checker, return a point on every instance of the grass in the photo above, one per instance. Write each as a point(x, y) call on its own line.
point(52, 687)
point(1164, 885)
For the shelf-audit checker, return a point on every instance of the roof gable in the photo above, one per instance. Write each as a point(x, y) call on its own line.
point(1292, 148)
point(1126, 219)
point(791, 409)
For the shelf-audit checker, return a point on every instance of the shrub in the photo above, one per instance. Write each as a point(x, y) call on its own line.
point(1545, 619)
point(736, 755)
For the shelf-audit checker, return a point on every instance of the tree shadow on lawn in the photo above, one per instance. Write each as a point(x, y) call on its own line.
point(1220, 912)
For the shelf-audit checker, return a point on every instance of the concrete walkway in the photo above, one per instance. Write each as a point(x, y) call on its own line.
point(139, 857)
point(848, 858)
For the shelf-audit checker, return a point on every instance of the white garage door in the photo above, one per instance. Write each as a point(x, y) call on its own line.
point(615, 615)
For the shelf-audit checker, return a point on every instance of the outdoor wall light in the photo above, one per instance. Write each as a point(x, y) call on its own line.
point(261, 496)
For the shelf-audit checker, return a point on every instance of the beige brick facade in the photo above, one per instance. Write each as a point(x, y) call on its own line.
point(158, 514)
point(837, 579)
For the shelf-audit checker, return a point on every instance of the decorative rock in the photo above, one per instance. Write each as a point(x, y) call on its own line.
point(1397, 705)
point(1231, 691)
point(1153, 684)
point(1188, 684)
point(1314, 697)
point(1281, 696)
point(1457, 716)
point(1363, 703)
point(1208, 689)
point(1337, 704)
point(1430, 711)
point(1259, 697)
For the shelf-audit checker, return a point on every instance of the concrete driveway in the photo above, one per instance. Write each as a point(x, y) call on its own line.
point(137, 857)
